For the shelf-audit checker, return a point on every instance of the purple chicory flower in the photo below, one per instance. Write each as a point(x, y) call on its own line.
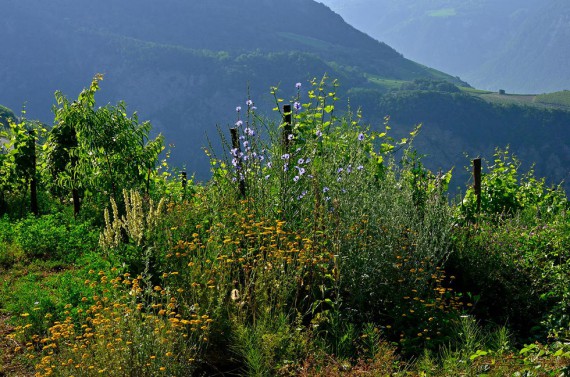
point(302, 195)
point(239, 123)
point(285, 156)
point(325, 190)
point(290, 137)
point(238, 109)
point(296, 178)
point(297, 106)
point(269, 165)
point(234, 152)
point(249, 103)
point(301, 171)
point(349, 169)
point(339, 170)
point(234, 161)
point(298, 85)
point(286, 167)
point(245, 144)
point(360, 167)
point(319, 133)
point(361, 137)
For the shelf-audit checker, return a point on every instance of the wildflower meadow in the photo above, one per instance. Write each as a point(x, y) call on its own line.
point(319, 247)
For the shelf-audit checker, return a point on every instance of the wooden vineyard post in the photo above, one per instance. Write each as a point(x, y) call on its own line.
point(237, 149)
point(33, 178)
point(184, 178)
point(477, 181)
point(287, 130)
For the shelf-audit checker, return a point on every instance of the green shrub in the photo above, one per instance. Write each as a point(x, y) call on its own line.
point(55, 236)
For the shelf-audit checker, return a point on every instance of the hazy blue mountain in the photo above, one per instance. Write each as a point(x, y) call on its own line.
point(517, 45)
point(185, 66)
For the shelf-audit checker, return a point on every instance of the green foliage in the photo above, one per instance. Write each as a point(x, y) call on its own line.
point(561, 99)
point(318, 247)
point(430, 85)
point(6, 116)
point(99, 152)
point(55, 237)
point(504, 193)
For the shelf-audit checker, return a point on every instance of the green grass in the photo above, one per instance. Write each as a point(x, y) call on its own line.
point(443, 13)
point(384, 82)
point(474, 90)
point(561, 99)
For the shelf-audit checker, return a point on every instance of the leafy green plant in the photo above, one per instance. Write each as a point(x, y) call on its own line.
point(55, 236)
point(98, 152)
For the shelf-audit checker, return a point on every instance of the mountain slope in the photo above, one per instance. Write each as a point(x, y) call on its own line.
point(517, 45)
point(182, 64)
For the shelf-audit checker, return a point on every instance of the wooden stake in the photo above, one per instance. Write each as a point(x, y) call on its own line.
point(477, 181)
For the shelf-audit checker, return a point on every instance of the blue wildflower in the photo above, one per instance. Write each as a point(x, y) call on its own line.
point(249, 103)
point(297, 106)
point(319, 133)
point(325, 190)
point(300, 161)
point(290, 137)
point(360, 167)
point(301, 171)
point(298, 85)
point(239, 123)
point(361, 137)
point(296, 178)
point(238, 109)
point(339, 170)
point(285, 156)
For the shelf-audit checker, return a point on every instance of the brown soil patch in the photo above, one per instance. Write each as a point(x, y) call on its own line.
point(9, 365)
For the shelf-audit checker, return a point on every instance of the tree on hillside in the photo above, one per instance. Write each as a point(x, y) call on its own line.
point(98, 152)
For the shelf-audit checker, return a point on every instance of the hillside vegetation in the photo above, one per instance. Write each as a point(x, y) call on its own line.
point(192, 61)
point(319, 247)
